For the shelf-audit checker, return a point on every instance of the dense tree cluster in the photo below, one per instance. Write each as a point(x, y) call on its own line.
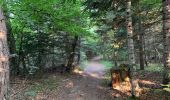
point(45, 35)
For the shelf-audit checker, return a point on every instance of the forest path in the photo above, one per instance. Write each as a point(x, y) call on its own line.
point(82, 87)
point(85, 85)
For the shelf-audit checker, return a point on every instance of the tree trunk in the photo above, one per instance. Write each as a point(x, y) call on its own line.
point(20, 55)
point(79, 51)
point(141, 52)
point(10, 38)
point(40, 55)
point(12, 49)
point(166, 31)
point(130, 42)
point(70, 66)
point(145, 54)
point(130, 34)
point(4, 61)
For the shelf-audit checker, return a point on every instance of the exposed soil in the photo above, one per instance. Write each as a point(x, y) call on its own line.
point(73, 87)
point(85, 87)
point(82, 88)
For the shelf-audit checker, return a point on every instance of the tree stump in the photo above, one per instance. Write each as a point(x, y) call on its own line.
point(116, 78)
point(120, 76)
point(122, 81)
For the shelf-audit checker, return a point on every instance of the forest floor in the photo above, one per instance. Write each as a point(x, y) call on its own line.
point(80, 86)
point(61, 87)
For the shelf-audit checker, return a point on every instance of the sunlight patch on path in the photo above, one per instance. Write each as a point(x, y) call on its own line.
point(93, 68)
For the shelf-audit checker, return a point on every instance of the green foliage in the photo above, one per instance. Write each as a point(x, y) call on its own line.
point(30, 93)
point(64, 16)
point(1, 3)
point(155, 67)
point(107, 64)
point(167, 87)
point(46, 29)
point(132, 98)
point(40, 26)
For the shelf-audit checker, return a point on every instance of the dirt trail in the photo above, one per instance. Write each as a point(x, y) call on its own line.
point(81, 87)
point(85, 85)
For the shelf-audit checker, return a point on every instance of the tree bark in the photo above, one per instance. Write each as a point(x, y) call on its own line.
point(4, 59)
point(130, 42)
point(40, 55)
point(10, 38)
point(70, 66)
point(145, 54)
point(130, 34)
point(166, 32)
point(79, 51)
point(20, 55)
point(141, 52)
point(140, 28)
point(12, 48)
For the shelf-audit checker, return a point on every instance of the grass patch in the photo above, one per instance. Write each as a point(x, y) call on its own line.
point(106, 81)
point(154, 67)
point(107, 64)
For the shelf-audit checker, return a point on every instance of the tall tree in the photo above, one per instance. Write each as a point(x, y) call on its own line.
point(10, 37)
point(130, 33)
point(130, 40)
point(140, 29)
point(70, 65)
point(166, 32)
point(4, 59)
